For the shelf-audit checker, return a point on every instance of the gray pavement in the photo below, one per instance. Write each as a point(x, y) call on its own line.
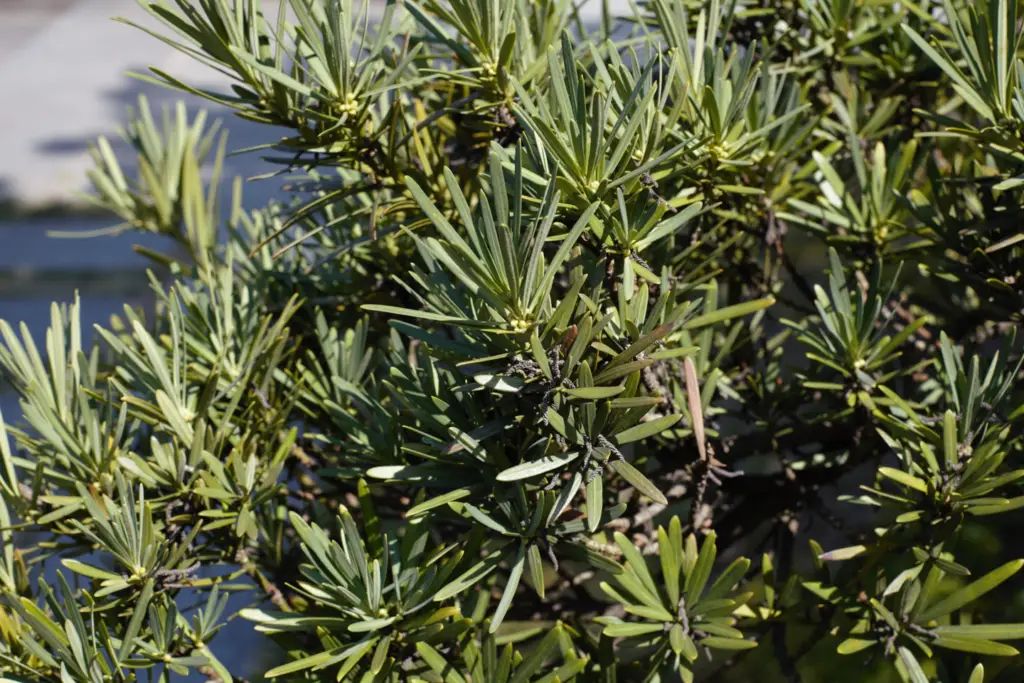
point(63, 66)
point(63, 75)
point(21, 20)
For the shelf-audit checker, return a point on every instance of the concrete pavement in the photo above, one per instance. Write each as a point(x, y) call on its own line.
point(63, 75)
point(21, 20)
point(63, 82)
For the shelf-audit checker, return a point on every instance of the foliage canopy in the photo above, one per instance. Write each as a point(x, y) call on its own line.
point(570, 357)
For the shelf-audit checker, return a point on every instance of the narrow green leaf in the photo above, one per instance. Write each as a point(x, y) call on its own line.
point(637, 565)
point(470, 577)
point(536, 567)
point(507, 384)
point(675, 638)
point(541, 465)
point(670, 565)
point(561, 255)
point(668, 226)
point(645, 429)
point(693, 400)
point(657, 613)
point(854, 645)
point(636, 478)
point(438, 501)
point(135, 624)
point(975, 645)
point(436, 661)
point(595, 503)
point(515, 574)
point(304, 663)
point(912, 666)
point(626, 630)
point(728, 313)
point(727, 580)
point(89, 570)
point(842, 553)
point(595, 393)
point(485, 519)
point(983, 631)
point(719, 643)
point(901, 477)
point(609, 374)
point(950, 442)
point(964, 87)
point(698, 578)
point(971, 592)
point(371, 625)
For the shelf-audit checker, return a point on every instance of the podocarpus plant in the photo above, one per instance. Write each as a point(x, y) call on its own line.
point(570, 358)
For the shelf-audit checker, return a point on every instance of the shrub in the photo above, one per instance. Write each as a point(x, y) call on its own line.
point(568, 358)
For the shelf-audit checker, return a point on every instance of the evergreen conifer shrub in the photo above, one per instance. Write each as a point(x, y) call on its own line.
point(671, 346)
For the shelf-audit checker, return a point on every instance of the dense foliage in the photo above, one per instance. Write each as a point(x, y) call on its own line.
point(665, 347)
